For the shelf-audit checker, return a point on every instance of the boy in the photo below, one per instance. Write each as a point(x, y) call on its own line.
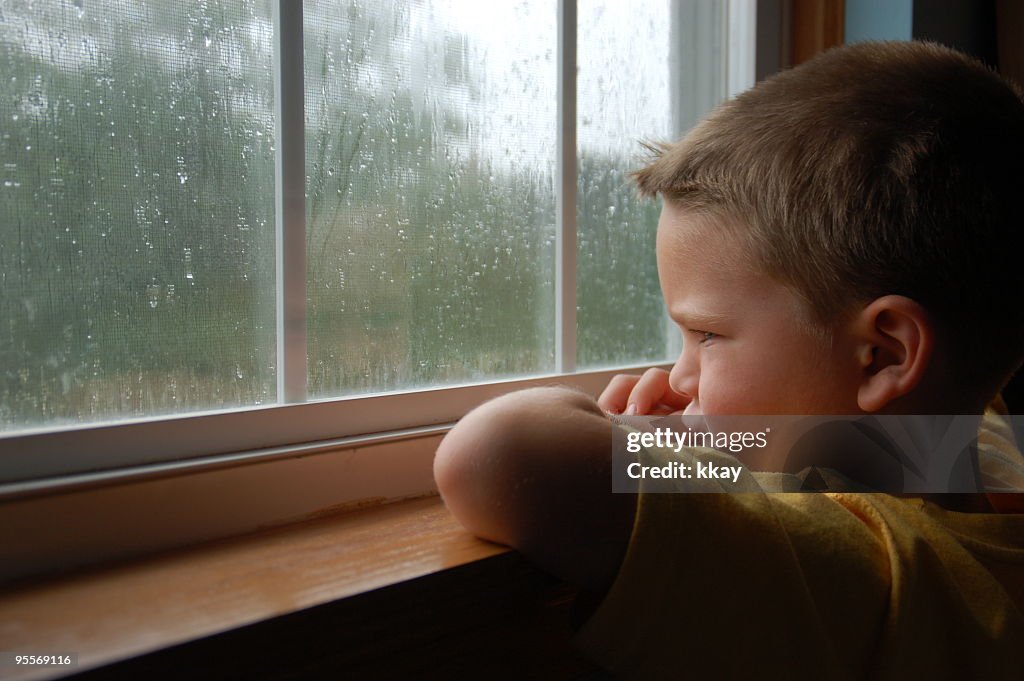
point(843, 238)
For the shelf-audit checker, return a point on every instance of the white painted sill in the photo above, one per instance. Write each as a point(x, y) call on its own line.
point(58, 524)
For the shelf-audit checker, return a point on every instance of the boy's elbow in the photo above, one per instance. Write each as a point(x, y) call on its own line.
point(468, 468)
point(489, 466)
point(532, 470)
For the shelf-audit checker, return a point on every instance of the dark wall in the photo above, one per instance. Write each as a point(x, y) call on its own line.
point(970, 26)
point(967, 25)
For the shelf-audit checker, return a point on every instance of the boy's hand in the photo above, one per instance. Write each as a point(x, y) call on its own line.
point(648, 394)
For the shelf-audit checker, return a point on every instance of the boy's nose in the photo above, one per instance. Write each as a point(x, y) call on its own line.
point(685, 375)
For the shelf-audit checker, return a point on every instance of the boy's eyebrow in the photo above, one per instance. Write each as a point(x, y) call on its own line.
point(692, 317)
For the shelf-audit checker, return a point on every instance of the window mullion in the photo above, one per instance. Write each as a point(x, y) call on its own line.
point(565, 238)
point(291, 202)
point(290, 174)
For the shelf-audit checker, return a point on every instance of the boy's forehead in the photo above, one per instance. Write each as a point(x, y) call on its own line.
point(708, 271)
point(686, 234)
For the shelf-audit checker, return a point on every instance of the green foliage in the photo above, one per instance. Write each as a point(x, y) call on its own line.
point(620, 308)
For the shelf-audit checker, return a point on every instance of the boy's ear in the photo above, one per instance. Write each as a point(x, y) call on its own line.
point(896, 339)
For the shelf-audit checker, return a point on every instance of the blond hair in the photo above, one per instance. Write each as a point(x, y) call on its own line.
point(875, 169)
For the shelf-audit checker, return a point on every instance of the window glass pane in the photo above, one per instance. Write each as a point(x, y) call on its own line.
point(624, 91)
point(137, 216)
point(431, 132)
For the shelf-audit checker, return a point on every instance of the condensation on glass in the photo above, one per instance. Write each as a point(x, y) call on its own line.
point(431, 138)
point(136, 209)
point(633, 87)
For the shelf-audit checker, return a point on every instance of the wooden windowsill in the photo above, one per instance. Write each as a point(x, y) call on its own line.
point(114, 613)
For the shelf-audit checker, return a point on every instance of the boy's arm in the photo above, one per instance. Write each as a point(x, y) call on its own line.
point(532, 470)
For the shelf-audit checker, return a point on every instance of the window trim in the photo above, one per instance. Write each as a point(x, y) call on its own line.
point(68, 522)
point(36, 461)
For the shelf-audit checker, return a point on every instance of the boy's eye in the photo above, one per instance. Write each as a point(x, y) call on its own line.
point(697, 335)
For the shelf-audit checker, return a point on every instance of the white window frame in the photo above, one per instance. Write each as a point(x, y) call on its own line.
point(48, 460)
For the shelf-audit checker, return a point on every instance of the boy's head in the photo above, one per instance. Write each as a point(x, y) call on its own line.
point(866, 207)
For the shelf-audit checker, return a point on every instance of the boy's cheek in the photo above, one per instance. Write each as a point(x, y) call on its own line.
point(739, 389)
point(728, 386)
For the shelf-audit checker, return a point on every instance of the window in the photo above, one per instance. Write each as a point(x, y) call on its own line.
point(223, 208)
point(431, 135)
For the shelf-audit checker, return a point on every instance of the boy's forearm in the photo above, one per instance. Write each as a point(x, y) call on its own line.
point(532, 470)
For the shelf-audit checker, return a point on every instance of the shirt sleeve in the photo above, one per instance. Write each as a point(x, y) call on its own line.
point(720, 584)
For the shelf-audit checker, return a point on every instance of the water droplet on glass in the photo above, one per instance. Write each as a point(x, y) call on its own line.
point(153, 294)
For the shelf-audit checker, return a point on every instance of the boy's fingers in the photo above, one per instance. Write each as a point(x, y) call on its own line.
point(648, 392)
point(613, 398)
point(653, 395)
point(672, 399)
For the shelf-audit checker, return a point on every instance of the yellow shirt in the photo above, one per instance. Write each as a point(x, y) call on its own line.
point(826, 585)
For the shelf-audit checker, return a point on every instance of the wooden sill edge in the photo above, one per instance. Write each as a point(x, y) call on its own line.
point(113, 613)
